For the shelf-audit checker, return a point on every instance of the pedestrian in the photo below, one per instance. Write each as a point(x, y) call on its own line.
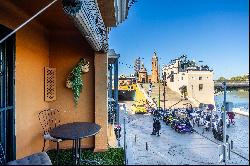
point(154, 126)
point(158, 127)
point(189, 123)
point(156, 113)
point(193, 120)
point(149, 91)
point(124, 108)
point(117, 130)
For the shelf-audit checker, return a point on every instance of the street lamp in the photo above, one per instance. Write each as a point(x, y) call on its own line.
point(164, 93)
point(159, 73)
point(224, 121)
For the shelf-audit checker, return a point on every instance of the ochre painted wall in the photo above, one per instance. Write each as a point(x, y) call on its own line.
point(32, 55)
point(65, 52)
point(36, 48)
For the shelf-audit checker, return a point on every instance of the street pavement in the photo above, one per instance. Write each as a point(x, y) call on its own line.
point(170, 148)
point(238, 133)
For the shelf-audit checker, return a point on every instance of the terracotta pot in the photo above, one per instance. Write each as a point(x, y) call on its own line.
point(68, 84)
point(85, 68)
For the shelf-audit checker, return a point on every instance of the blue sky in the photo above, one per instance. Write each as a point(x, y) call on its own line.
point(214, 31)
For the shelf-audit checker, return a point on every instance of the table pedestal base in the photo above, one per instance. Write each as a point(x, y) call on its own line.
point(76, 151)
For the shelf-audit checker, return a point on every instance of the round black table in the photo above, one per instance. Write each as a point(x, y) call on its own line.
point(75, 131)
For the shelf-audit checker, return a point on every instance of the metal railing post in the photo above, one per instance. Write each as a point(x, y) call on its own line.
point(224, 123)
point(124, 139)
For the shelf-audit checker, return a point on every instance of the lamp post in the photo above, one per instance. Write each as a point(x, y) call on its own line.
point(159, 82)
point(164, 94)
point(224, 122)
point(159, 95)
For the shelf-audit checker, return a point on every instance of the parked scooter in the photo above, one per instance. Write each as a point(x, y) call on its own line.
point(207, 125)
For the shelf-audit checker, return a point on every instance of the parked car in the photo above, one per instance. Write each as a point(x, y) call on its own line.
point(138, 108)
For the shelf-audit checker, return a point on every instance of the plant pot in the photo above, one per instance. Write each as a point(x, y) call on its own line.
point(68, 84)
point(85, 68)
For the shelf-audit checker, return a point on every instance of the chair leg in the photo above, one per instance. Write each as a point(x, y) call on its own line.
point(57, 156)
point(43, 144)
point(72, 151)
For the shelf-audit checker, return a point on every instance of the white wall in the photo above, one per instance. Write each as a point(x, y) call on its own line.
point(191, 79)
point(206, 95)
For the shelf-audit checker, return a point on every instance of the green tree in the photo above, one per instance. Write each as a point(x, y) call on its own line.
point(222, 79)
point(236, 78)
point(239, 78)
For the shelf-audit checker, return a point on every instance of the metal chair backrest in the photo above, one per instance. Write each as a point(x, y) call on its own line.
point(2, 155)
point(49, 119)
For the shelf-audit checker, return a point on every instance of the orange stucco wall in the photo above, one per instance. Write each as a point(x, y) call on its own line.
point(65, 52)
point(36, 48)
point(32, 54)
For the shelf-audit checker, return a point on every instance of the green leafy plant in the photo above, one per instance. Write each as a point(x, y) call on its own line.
point(113, 156)
point(74, 80)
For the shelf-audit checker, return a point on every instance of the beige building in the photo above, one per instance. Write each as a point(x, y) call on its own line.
point(126, 80)
point(149, 78)
point(143, 75)
point(197, 80)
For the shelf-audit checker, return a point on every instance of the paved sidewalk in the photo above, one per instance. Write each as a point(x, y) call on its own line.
point(239, 133)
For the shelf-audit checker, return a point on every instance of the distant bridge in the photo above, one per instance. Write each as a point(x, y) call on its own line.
point(232, 85)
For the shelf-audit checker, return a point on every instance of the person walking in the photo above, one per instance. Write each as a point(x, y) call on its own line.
point(117, 130)
point(156, 113)
point(149, 91)
point(154, 126)
point(158, 127)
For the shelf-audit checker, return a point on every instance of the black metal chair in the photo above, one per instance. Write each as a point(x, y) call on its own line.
point(49, 119)
point(41, 158)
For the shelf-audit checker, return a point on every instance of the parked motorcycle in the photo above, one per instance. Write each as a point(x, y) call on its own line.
point(169, 119)
point(173, 123)
point(165, 117)
point(184, 127)
point(207, 125)
point(218, 134)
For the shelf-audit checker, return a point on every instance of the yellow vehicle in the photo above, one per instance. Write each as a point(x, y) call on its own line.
point(138, 109)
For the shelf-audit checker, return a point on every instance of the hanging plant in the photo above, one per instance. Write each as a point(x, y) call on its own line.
point(72, 6)
point(74, 80)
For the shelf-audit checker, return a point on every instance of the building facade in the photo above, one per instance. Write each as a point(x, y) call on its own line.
point(155, 73)
point(126, 80)
point(143, 75)
point(196, 80)
point(50, 42)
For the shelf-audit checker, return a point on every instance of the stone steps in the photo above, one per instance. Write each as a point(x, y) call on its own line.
point(172, 97)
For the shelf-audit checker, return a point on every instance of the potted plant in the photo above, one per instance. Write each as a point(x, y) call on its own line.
point(74, 80)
